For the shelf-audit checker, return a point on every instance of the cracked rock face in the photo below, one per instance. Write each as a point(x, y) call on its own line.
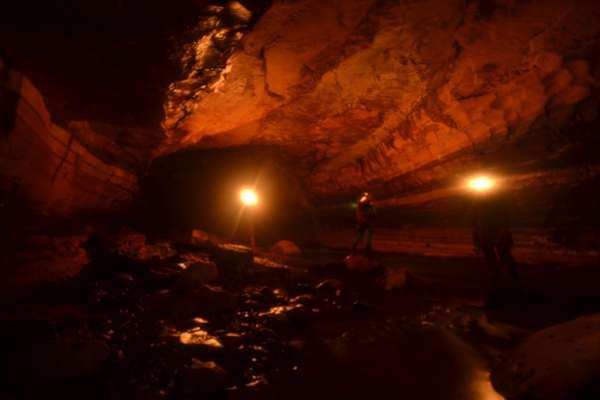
point(49, 169)
point(398, 98)
point(366, 92)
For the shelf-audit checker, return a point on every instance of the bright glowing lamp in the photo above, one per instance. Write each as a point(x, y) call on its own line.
point(249, 197)
point(481, 184)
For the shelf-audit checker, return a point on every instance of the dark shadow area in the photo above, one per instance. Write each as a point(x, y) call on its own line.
point(81, 53)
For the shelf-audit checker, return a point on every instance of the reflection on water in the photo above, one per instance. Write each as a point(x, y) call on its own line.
point(199, 337)
point(482, 387)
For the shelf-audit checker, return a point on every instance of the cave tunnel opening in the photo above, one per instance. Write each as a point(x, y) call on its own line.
point(200, 189)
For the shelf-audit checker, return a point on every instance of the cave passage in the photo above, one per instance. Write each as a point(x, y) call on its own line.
point(201, 189)
point(275, 199)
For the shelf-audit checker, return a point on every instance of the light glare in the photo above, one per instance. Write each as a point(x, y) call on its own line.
point(249, 197)
point(481, 183)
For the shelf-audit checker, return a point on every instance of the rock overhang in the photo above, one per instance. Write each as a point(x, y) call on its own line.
point(367, 92)
point(361, 94)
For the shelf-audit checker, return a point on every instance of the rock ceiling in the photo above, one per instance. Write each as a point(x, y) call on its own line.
point(366, 91)
point(381, 94)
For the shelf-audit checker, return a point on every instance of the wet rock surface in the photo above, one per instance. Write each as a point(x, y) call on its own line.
point(559, 362)
point(177, 327)
point(146, 319)
point(286, 248)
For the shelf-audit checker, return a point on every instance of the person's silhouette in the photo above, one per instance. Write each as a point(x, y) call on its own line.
point(364, 219)
point(492, 236)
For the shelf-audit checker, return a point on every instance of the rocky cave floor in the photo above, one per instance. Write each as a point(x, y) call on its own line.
point(209, 321)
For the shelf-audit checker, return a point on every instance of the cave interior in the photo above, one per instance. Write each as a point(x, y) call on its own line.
point(132, 269)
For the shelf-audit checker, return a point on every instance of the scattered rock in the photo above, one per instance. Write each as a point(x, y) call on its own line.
point(330, 286)
point(200, 341)
point(289, 313)
point(162, 275)
point(286, 248)
point(280, 294)
point(268, 270)
point(232, 340)
point(198, 271)
point(199, 238)
point(395, 278)
point(159, 251)
point(360, 263)
point(125, 279)
point(201, 378)
point(305, 299)
point(559, 362)
point(203, 239)
point(232, 260)
point(239, 12)
point(129, 243)
point(134, 247)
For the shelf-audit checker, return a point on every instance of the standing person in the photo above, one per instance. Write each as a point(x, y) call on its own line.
point(364, 219)
point(492, 236)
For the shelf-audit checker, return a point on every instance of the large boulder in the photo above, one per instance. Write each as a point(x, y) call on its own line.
point(129, 243)
point(232, 260)
point(199, 237)
point(199, 341)
point(559, 362)
point(203, 239)
point(134, 245)
point(286, 248)
point(197, 270)
point(360, 263)
point(156, 252)
point(267, 270)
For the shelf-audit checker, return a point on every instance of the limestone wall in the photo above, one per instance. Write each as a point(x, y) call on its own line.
point(45, 166)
